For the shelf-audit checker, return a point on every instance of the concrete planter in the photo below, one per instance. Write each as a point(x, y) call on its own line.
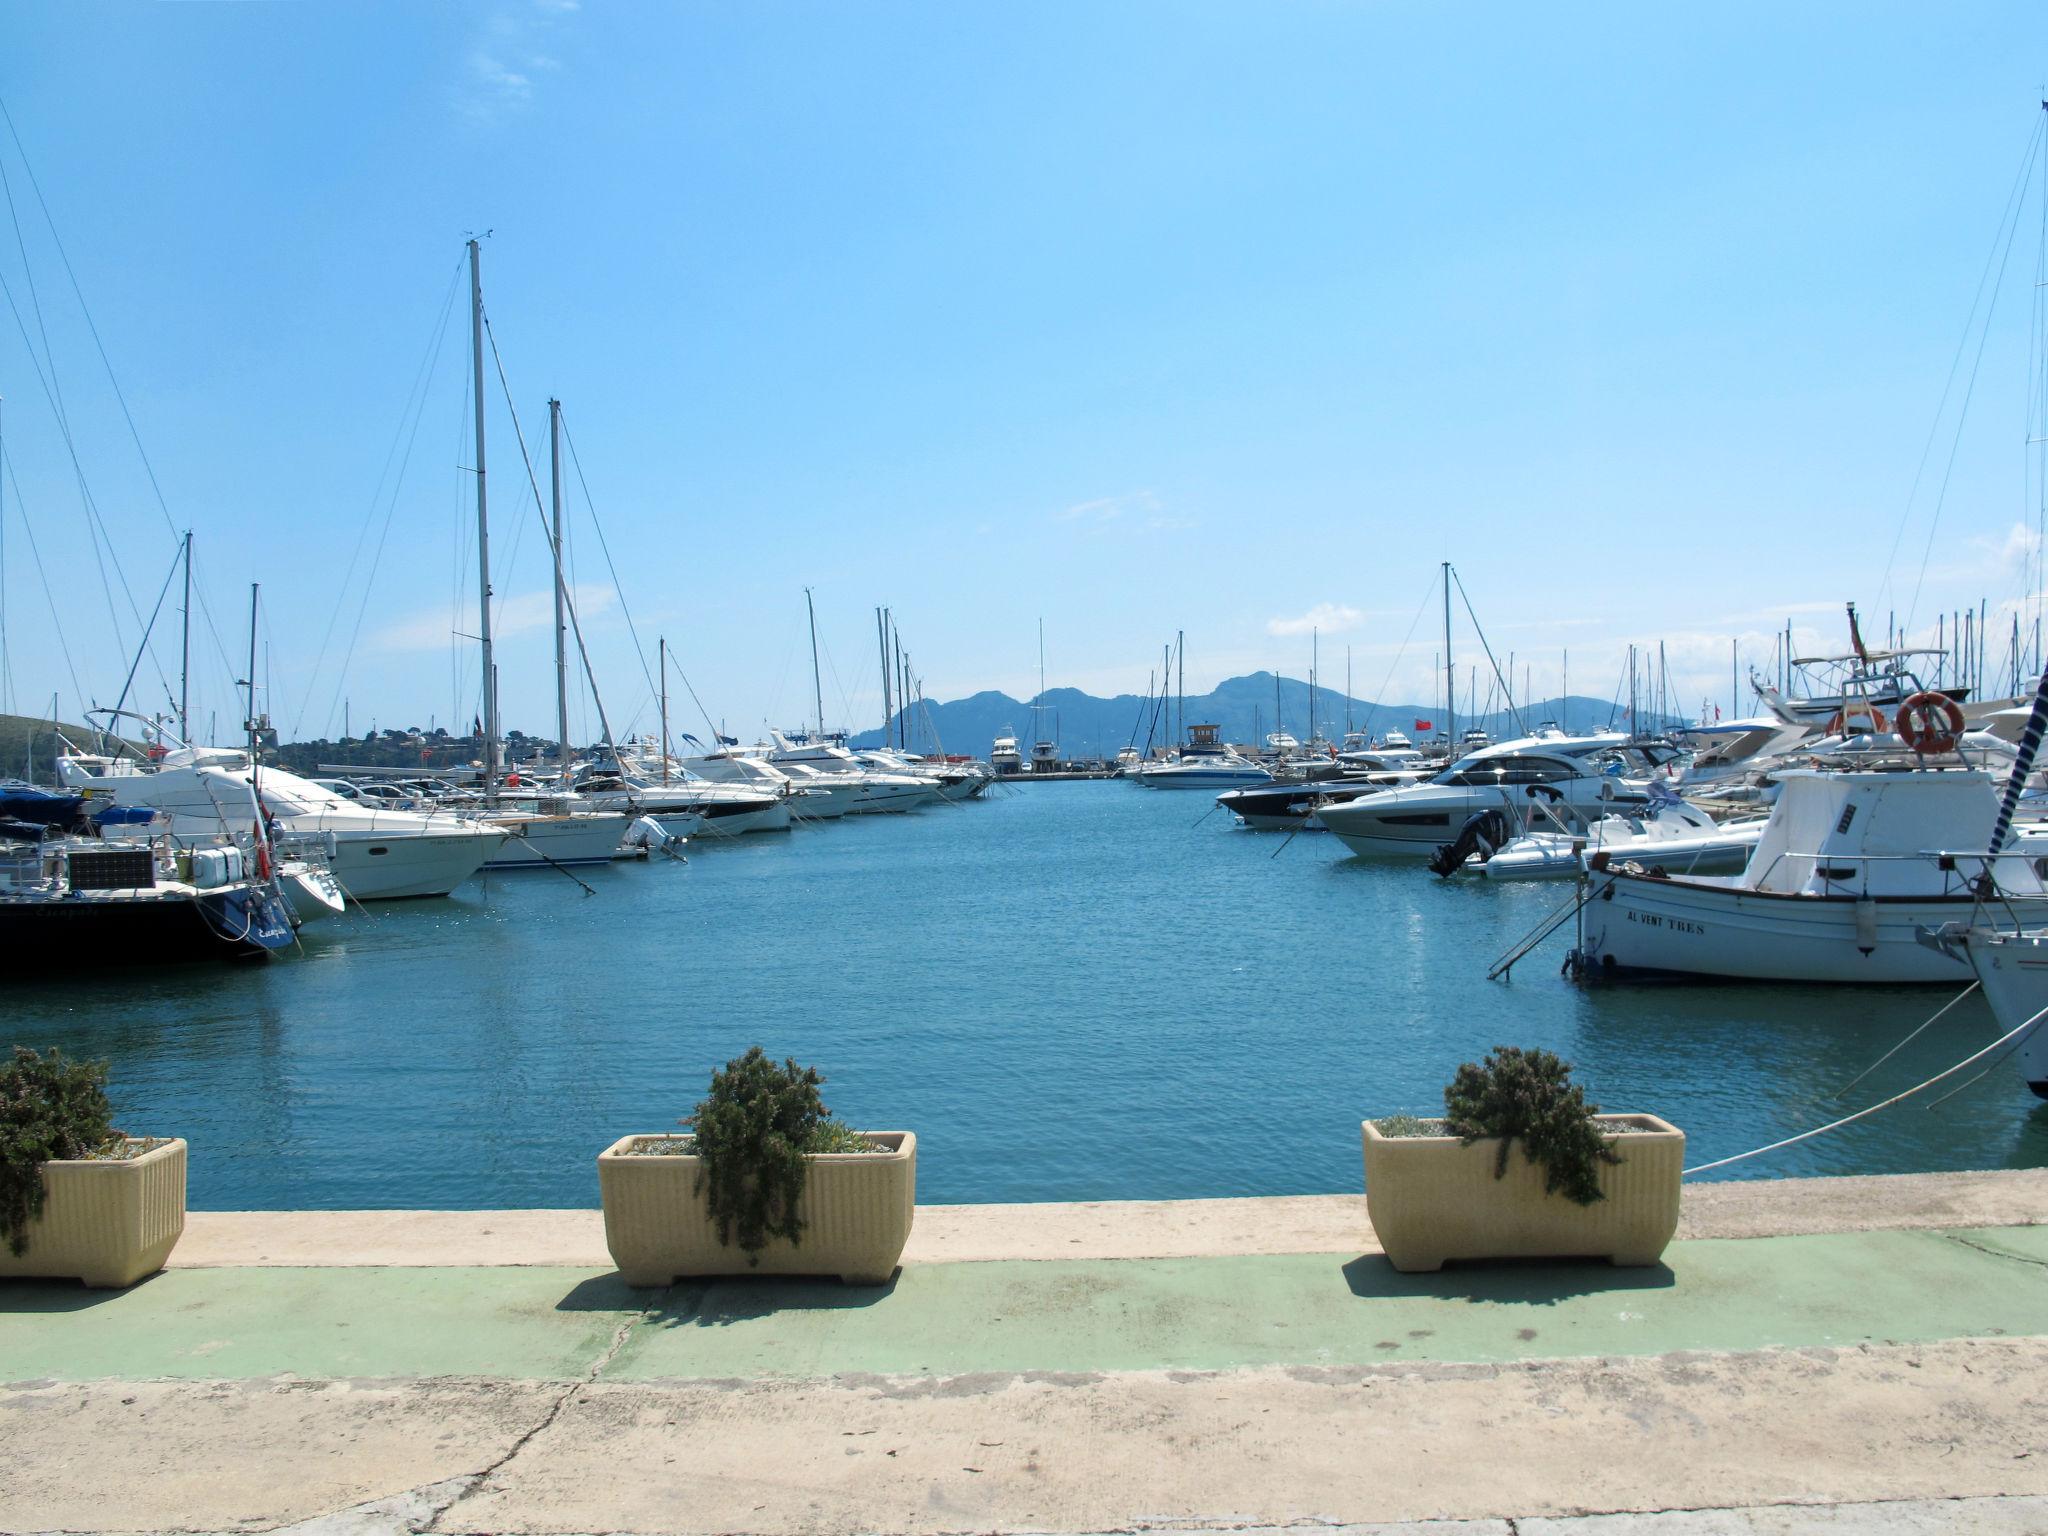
point(107, 1223)
point(856, 1209)
point(1433, 1199)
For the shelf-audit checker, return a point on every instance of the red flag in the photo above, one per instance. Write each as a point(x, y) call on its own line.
point(1425, 725)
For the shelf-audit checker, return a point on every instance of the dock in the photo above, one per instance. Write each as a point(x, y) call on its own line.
point(1813, 1355)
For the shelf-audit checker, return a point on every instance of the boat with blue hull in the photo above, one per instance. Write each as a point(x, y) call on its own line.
point(74, 906)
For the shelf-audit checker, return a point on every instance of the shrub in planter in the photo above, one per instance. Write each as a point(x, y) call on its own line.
point(76, 1196)
point(1528, 1096)
point(764, 1180)
point(1455, 1188)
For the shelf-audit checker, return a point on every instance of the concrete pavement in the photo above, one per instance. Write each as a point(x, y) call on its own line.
point(1877, 1363)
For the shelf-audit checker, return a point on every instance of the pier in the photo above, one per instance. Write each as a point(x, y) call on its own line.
point(1814, 1355)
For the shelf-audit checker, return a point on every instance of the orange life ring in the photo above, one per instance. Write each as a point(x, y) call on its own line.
point(1919, 730)
point(1859, 710)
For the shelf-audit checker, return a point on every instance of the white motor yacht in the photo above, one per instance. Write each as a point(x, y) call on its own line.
point(684, 806)
point(744, 766)
point(957, 778)
point(1004, 756)
point(1591, 774)
point(1206, 762)
point(375, 854)
point(867, 791)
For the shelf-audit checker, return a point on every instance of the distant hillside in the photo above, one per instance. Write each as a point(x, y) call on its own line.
point(1086, 726)
point(16, 734)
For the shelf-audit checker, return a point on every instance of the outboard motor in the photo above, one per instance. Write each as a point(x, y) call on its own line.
point(1483, 833)
point(646, 836)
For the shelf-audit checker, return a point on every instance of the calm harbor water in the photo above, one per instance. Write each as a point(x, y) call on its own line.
point(1070, 991)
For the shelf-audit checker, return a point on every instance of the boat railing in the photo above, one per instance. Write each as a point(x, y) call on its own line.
point(1947, 860)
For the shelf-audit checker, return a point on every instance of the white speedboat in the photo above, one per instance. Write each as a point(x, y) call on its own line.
point(1206, 762)
point(1851, 868)
point(1591, 774)
point(375, 854)
point(1674, 836)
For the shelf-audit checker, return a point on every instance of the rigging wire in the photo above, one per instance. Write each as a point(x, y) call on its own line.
point(618, 586)
point(1428, 591)
point(540, 512)
point(2010, 213)
point(416, 409)
point(106, 363)
point(1507, 690)
point(56, 618)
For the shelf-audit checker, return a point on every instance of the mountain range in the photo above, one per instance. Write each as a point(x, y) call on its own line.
point(1247, 708)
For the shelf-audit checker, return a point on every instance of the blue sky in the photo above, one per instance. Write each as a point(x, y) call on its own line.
point(1134, 317)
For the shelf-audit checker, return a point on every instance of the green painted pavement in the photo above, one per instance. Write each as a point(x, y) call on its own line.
point(1081, 1316)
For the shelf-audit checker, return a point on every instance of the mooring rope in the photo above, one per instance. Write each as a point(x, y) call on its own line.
point(1971, 1060)
point(1888, 1055)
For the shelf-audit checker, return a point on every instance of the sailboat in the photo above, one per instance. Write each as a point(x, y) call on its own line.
point(549, 831)
point(206, 794)
point(1045, 752)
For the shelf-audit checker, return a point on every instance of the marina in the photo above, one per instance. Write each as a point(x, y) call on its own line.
point(933, 771)
point(966, 958)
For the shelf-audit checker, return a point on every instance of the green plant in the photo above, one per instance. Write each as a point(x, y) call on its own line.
point(753, 1132)
point(1529, 1095)
point(51, 1110)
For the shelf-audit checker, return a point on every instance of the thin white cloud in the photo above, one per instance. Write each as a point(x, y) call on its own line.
point(514, 615)
point(1334, 618)
point(1107, 509)
point(498, 74)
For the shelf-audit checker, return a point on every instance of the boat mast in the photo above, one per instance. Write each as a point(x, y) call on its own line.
point(1180, 644)
point(902, 688)
point(1315, 660)
point(817, 687)
point(1038, 704)
point(249, 725)
point(888, 690)
point(561, 624)
point(1450, 676)
point(663, 653)
point(185, 660)
point(483, 527)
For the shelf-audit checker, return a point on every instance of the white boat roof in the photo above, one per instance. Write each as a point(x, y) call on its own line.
point(1561, 745)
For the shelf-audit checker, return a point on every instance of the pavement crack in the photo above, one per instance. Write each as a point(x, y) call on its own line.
point(476, 1480)
point(1996, 1253)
